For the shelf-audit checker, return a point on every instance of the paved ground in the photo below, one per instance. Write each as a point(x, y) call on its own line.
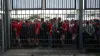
point(68, 51)
point(44, 52)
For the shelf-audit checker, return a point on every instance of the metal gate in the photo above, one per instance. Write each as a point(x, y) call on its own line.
point(52, 24)
point(44, 23)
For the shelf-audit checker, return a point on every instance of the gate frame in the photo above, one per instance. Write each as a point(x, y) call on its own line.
point(81, 24)
point(6, 22)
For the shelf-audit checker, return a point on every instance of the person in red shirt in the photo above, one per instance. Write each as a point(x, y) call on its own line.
point(13, 23)
point(66, 31)
point(74, 30)
point(37, 32)
point(65, 27)
point(13, 33)
point(50, 25)
point(18, 29)
point(18, 26)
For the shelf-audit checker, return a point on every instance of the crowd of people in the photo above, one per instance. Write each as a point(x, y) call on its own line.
point(52, 33)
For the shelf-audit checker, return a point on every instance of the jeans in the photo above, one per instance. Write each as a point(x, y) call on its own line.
point(50, 40)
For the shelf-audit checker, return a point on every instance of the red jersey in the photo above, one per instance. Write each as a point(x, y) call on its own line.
point(50, 28)
point(37, 28)
point(65, 26)
point(75, 27)
point(18, 28)
point(13, 25)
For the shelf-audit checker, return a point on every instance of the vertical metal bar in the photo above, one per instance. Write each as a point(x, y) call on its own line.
point(7, 24)
point(2, 32)
point(80, 24)
point(16, 13)
point(43, 4)
point(9, 19)
point(4, 22)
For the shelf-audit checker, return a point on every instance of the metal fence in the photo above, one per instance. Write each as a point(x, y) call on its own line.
point(1, 28)
point(50, 11)
point(52, 24)
point(90, 31)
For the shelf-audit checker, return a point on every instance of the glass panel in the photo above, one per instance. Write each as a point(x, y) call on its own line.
point(65, 4)
point(94, 4)
point(24, 4)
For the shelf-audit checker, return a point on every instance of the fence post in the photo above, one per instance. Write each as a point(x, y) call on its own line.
point(7, 24)
point(80, 24)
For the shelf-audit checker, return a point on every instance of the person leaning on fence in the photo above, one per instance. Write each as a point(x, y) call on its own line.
point(75, 30)
point(13, 31)
point(64, 31)
point(54, 32)
point(18, 27)
point(31, 34)
point(44, 30)
point(89, 32)
point(37, 32)
point(24, 32)
point(50, 25)
point(65, 25)
point(97, 33)
point(71, 33)
point(59, 33)
point(47, 33)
